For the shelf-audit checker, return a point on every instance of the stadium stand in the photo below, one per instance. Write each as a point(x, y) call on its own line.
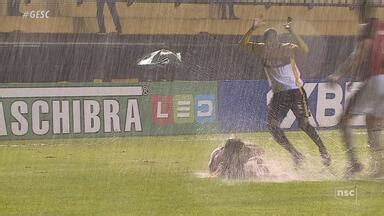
point(191, 17)
point(64, 47)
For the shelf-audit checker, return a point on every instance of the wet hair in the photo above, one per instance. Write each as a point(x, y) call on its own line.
point(269, 32)
point(232, 166)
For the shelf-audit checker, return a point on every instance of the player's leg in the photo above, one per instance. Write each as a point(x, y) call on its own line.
point(223, 9)
point(100, 15)
point(115, 15)
point(300, 108)
point(374, 144)
point(374, 120)
point(353, 165)
point(313, 134)
point(231, 9)
point(277, 110)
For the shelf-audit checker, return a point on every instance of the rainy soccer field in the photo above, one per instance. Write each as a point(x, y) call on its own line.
point(167, 176)
point(95, 105)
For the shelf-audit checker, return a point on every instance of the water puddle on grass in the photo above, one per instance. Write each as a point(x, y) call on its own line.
point(283, 171)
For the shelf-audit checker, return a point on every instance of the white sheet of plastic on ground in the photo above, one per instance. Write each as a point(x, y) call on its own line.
point(160, 58)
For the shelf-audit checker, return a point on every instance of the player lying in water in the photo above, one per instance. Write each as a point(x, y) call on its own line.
point(288, 92)
point(237, 160)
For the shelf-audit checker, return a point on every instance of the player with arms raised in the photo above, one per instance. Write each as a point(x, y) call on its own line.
point(288, 92)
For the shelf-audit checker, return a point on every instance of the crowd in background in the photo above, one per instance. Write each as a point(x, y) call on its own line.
point(13, 7)
point(208, 56)
point(226, 10)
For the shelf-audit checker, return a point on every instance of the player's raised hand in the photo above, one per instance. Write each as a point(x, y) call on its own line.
point(257, 22)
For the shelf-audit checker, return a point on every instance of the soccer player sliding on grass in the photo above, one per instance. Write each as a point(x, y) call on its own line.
point(238, 160)
point(288, 92)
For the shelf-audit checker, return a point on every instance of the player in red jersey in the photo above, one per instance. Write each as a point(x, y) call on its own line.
point(368, 100)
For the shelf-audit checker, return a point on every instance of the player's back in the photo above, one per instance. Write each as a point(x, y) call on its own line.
point(281, 69)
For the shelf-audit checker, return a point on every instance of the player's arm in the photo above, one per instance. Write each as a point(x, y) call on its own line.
point(361, 54)
point(357, 57)
point(245, 40)
point(301, 47)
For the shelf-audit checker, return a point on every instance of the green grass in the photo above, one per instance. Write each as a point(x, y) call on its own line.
point(156, 176)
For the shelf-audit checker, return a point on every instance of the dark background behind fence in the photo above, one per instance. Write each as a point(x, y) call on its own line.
point(85, 57)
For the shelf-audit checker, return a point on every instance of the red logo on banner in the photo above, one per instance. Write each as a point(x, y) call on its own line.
point(162, 111)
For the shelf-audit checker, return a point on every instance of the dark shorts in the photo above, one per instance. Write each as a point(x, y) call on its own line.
point(295, 100)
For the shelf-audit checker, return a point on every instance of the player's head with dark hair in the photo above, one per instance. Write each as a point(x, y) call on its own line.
point(232, 166)
point(270, 37)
